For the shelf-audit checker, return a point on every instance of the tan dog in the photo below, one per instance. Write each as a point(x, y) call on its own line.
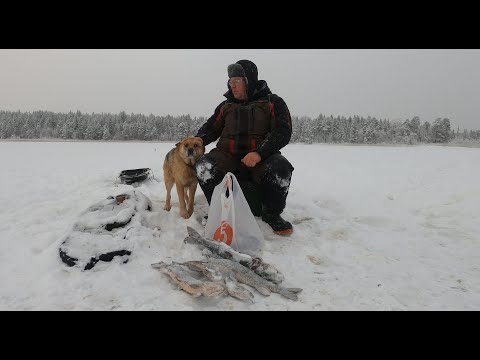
point(178, 169)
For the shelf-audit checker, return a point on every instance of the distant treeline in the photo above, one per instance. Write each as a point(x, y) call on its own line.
point(324, 129)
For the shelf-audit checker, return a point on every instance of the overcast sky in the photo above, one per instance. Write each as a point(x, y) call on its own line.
point(385, 83)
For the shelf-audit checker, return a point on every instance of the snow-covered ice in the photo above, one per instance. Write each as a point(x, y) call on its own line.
point(375, 228)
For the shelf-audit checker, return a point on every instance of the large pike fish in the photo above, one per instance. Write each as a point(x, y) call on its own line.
point(216, 269)
point(256, 264)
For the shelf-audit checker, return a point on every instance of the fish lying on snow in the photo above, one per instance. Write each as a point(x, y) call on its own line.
point(256, 264)
point(216, 269)
point(184, 278)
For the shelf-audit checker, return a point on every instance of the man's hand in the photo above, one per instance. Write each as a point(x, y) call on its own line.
point(251, 159)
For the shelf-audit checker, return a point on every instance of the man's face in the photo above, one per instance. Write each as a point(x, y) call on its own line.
point(239, 87)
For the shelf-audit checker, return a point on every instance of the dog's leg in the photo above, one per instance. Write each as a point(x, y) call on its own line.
point(168, 178)
point(169, 186)
point(186, 195)
point(181, 198)
point(192, 188)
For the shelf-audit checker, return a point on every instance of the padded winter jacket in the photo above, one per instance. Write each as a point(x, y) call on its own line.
point(262, 124)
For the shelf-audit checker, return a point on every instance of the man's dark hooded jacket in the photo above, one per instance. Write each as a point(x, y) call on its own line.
point(262, 123)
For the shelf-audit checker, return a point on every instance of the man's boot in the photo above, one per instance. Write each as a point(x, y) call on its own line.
point(279, 225)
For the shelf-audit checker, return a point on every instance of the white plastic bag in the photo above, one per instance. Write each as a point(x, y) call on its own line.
point(230, 220)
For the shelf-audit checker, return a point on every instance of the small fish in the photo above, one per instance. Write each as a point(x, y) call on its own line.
point(266, 271)
point(226, 268)
point(184, 279)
